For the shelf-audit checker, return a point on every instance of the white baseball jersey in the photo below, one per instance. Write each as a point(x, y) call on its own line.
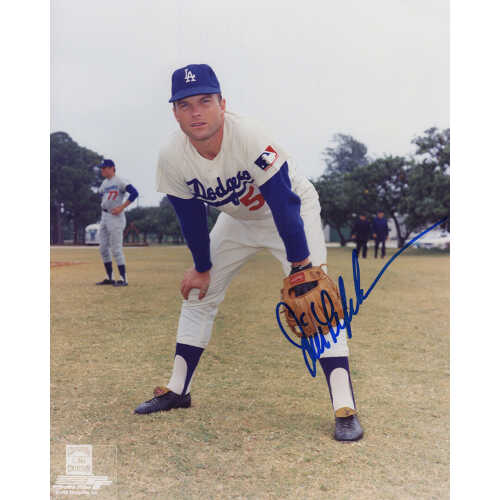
point(230, 182)
point(112, 192)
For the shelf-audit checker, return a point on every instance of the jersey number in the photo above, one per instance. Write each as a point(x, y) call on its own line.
point(112, 195)
point(252, 202)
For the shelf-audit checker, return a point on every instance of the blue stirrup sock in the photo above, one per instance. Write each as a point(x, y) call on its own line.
point(109, 269)
point(338, 378)
point(185, 362)
point(123, 274)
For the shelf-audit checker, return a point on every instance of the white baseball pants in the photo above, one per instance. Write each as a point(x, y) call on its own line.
point(232, 242)
point(111, 237)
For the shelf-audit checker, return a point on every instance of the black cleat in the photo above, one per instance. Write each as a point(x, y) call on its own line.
point(120, 283)
point(106, 281)
point(164, 400)
point(348, 428)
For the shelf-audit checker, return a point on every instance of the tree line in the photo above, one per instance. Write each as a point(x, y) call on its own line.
point(413, 191)
point(74, 179)
point(161, 222)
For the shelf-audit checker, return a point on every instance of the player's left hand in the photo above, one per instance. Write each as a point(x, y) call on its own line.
point(117, 210)
point(301, 291)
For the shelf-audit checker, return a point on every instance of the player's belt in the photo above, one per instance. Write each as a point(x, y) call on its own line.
point(104, 210)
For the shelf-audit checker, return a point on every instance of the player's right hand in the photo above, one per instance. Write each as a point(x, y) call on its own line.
point(194, 279)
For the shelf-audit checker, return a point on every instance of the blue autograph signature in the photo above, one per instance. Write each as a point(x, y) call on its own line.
point(313, 347)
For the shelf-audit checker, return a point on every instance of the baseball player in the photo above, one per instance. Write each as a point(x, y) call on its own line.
point(113, 191)
point(380, 232)
point(224, 160)
point(361, 233)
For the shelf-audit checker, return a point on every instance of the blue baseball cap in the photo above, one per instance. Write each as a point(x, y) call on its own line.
point(194, 79)
point(107, 163)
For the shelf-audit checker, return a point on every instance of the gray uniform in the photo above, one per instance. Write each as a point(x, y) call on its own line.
point(113, 194)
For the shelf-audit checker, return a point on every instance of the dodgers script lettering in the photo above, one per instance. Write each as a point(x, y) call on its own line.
point(222, 194)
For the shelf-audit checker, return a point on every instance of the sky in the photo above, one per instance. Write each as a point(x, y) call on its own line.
point(378, 71)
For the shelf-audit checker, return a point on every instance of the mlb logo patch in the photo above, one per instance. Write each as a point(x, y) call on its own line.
point(267, 158)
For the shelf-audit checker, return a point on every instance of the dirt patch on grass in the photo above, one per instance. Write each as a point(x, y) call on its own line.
point(59, 263)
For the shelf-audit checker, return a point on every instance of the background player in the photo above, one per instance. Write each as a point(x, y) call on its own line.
point(224, 160)
point(380, 232)
point(113, 221)
point(361, 232)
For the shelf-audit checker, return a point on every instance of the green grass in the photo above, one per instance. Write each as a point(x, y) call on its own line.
point(260, 427)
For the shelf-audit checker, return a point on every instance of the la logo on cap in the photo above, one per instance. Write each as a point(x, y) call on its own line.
point(189, 76)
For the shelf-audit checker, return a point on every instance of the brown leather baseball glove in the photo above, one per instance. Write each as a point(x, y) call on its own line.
point(301, 289)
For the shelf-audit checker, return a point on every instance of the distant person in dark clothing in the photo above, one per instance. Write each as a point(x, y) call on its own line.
point(380, 232)
point(361, 232)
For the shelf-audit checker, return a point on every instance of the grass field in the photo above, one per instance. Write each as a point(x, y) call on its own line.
point(260, 426)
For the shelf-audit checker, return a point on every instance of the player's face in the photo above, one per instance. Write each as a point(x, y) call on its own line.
point(200, 116)
point(107, 172)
